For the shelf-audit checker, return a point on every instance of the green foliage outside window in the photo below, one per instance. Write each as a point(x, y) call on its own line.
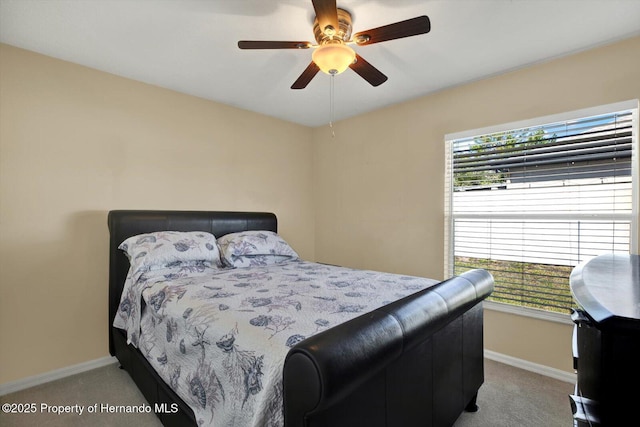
point(494, 144)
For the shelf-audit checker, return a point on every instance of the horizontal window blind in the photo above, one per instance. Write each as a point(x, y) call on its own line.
point(529, 204)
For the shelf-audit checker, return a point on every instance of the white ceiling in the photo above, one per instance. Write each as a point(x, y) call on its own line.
point(191, 45)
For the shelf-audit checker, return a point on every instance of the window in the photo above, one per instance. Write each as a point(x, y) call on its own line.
point(531, 200)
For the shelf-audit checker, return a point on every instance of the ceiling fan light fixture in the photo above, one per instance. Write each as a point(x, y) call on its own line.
point(333, 58)
point(332, 28)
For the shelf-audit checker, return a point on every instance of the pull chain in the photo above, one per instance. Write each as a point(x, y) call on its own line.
point(331, 105)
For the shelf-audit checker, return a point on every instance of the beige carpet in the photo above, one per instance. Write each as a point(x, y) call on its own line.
point(510, 397)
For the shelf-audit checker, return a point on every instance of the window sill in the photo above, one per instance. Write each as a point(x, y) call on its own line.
point(529, 312)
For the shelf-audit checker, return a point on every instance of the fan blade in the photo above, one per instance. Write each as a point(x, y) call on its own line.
point(368, 71)
point(326, 13)
point(398, 30)
point(258, 44)
point(306, 76)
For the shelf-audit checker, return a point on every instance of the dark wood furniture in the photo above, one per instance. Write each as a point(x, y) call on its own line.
point(606, 346)
point(415, 362)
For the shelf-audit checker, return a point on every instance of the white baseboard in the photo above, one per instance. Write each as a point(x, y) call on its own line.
point(558, 374)
point(57, 374)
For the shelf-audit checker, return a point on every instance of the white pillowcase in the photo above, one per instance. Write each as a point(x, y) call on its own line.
point(251, 248)
point(146, 251)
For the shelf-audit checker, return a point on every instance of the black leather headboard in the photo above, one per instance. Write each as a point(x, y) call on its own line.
point(126, 223)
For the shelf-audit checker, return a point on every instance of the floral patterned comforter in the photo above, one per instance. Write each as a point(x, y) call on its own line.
point(219, 337)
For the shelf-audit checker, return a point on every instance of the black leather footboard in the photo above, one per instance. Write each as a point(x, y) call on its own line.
point(415, 362)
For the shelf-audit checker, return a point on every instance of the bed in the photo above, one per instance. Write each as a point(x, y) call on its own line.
point(412, 361)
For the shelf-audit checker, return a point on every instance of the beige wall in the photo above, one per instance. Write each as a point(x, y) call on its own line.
point(76, 143)
point(379, 184)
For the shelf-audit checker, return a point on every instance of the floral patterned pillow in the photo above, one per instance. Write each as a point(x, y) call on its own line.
point(250, 248)
point(165, 248)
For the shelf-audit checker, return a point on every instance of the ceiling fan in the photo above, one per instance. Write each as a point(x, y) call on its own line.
point(332, 54)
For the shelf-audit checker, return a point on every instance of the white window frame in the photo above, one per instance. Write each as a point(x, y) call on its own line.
point(572, 115)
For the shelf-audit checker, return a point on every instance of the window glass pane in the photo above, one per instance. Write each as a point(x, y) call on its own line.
point(530, 204)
